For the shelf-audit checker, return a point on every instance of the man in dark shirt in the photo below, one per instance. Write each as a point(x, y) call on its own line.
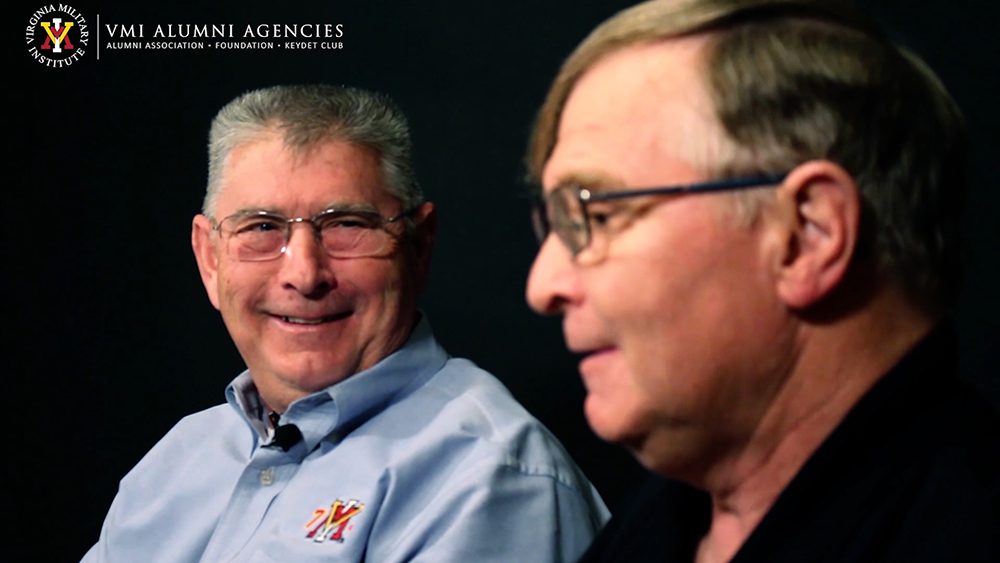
point(749, 221)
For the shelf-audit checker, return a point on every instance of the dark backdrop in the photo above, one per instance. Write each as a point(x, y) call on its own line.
point(112, 339)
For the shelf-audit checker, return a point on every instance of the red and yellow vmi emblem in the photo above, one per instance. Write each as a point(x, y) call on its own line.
point(56, 35)
point(331, 523)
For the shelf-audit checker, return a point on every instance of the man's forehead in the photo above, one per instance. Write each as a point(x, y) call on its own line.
point(630, 77)
point(640, 102)
point(266, 174)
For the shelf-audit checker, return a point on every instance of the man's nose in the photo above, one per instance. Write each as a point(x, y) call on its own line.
point(553, 282)
point(305, 265)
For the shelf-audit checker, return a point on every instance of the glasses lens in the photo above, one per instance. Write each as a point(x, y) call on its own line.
point(353, 234)
point(255, 237)
point(540, 219)
point(567, 219)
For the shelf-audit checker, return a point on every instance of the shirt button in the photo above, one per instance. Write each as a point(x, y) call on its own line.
point(267, 476)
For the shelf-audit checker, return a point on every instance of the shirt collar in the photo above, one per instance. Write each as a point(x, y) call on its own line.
point(336, 410)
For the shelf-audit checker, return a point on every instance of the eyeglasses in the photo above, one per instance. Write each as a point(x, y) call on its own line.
point(256, 236)
point(564, 210)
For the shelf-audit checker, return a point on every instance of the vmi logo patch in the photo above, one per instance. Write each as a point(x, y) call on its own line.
point(331, 523)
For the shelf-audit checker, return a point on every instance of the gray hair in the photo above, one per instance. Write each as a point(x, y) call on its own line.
point(309, 115)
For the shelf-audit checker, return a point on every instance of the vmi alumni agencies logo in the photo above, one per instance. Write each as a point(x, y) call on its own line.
point(57, 35)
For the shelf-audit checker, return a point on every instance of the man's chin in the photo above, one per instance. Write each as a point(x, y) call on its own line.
point(610, 424)
point(301, 378)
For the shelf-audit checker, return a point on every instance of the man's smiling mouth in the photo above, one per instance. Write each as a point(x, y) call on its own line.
point(309, 321)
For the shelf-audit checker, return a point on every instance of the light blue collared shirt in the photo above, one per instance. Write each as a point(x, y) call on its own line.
point(419, 458)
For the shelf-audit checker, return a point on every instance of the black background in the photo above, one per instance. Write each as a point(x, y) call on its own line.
point(111, 339)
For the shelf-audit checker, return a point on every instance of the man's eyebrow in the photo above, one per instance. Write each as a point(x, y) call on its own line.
point(594, 180)
point(336, 206)
point(253, 210)
point(350, 206)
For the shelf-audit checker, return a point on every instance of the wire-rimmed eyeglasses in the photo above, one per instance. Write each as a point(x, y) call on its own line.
point(256, 236)
point(564, 210)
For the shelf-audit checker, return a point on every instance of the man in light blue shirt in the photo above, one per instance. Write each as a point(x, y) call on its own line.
point(352, 436)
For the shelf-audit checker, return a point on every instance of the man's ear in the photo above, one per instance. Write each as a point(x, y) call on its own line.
point(425, 221)
point(206, 253)
point(820, 207)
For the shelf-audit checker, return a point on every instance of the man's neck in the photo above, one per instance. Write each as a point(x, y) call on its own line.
point(838, 363)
